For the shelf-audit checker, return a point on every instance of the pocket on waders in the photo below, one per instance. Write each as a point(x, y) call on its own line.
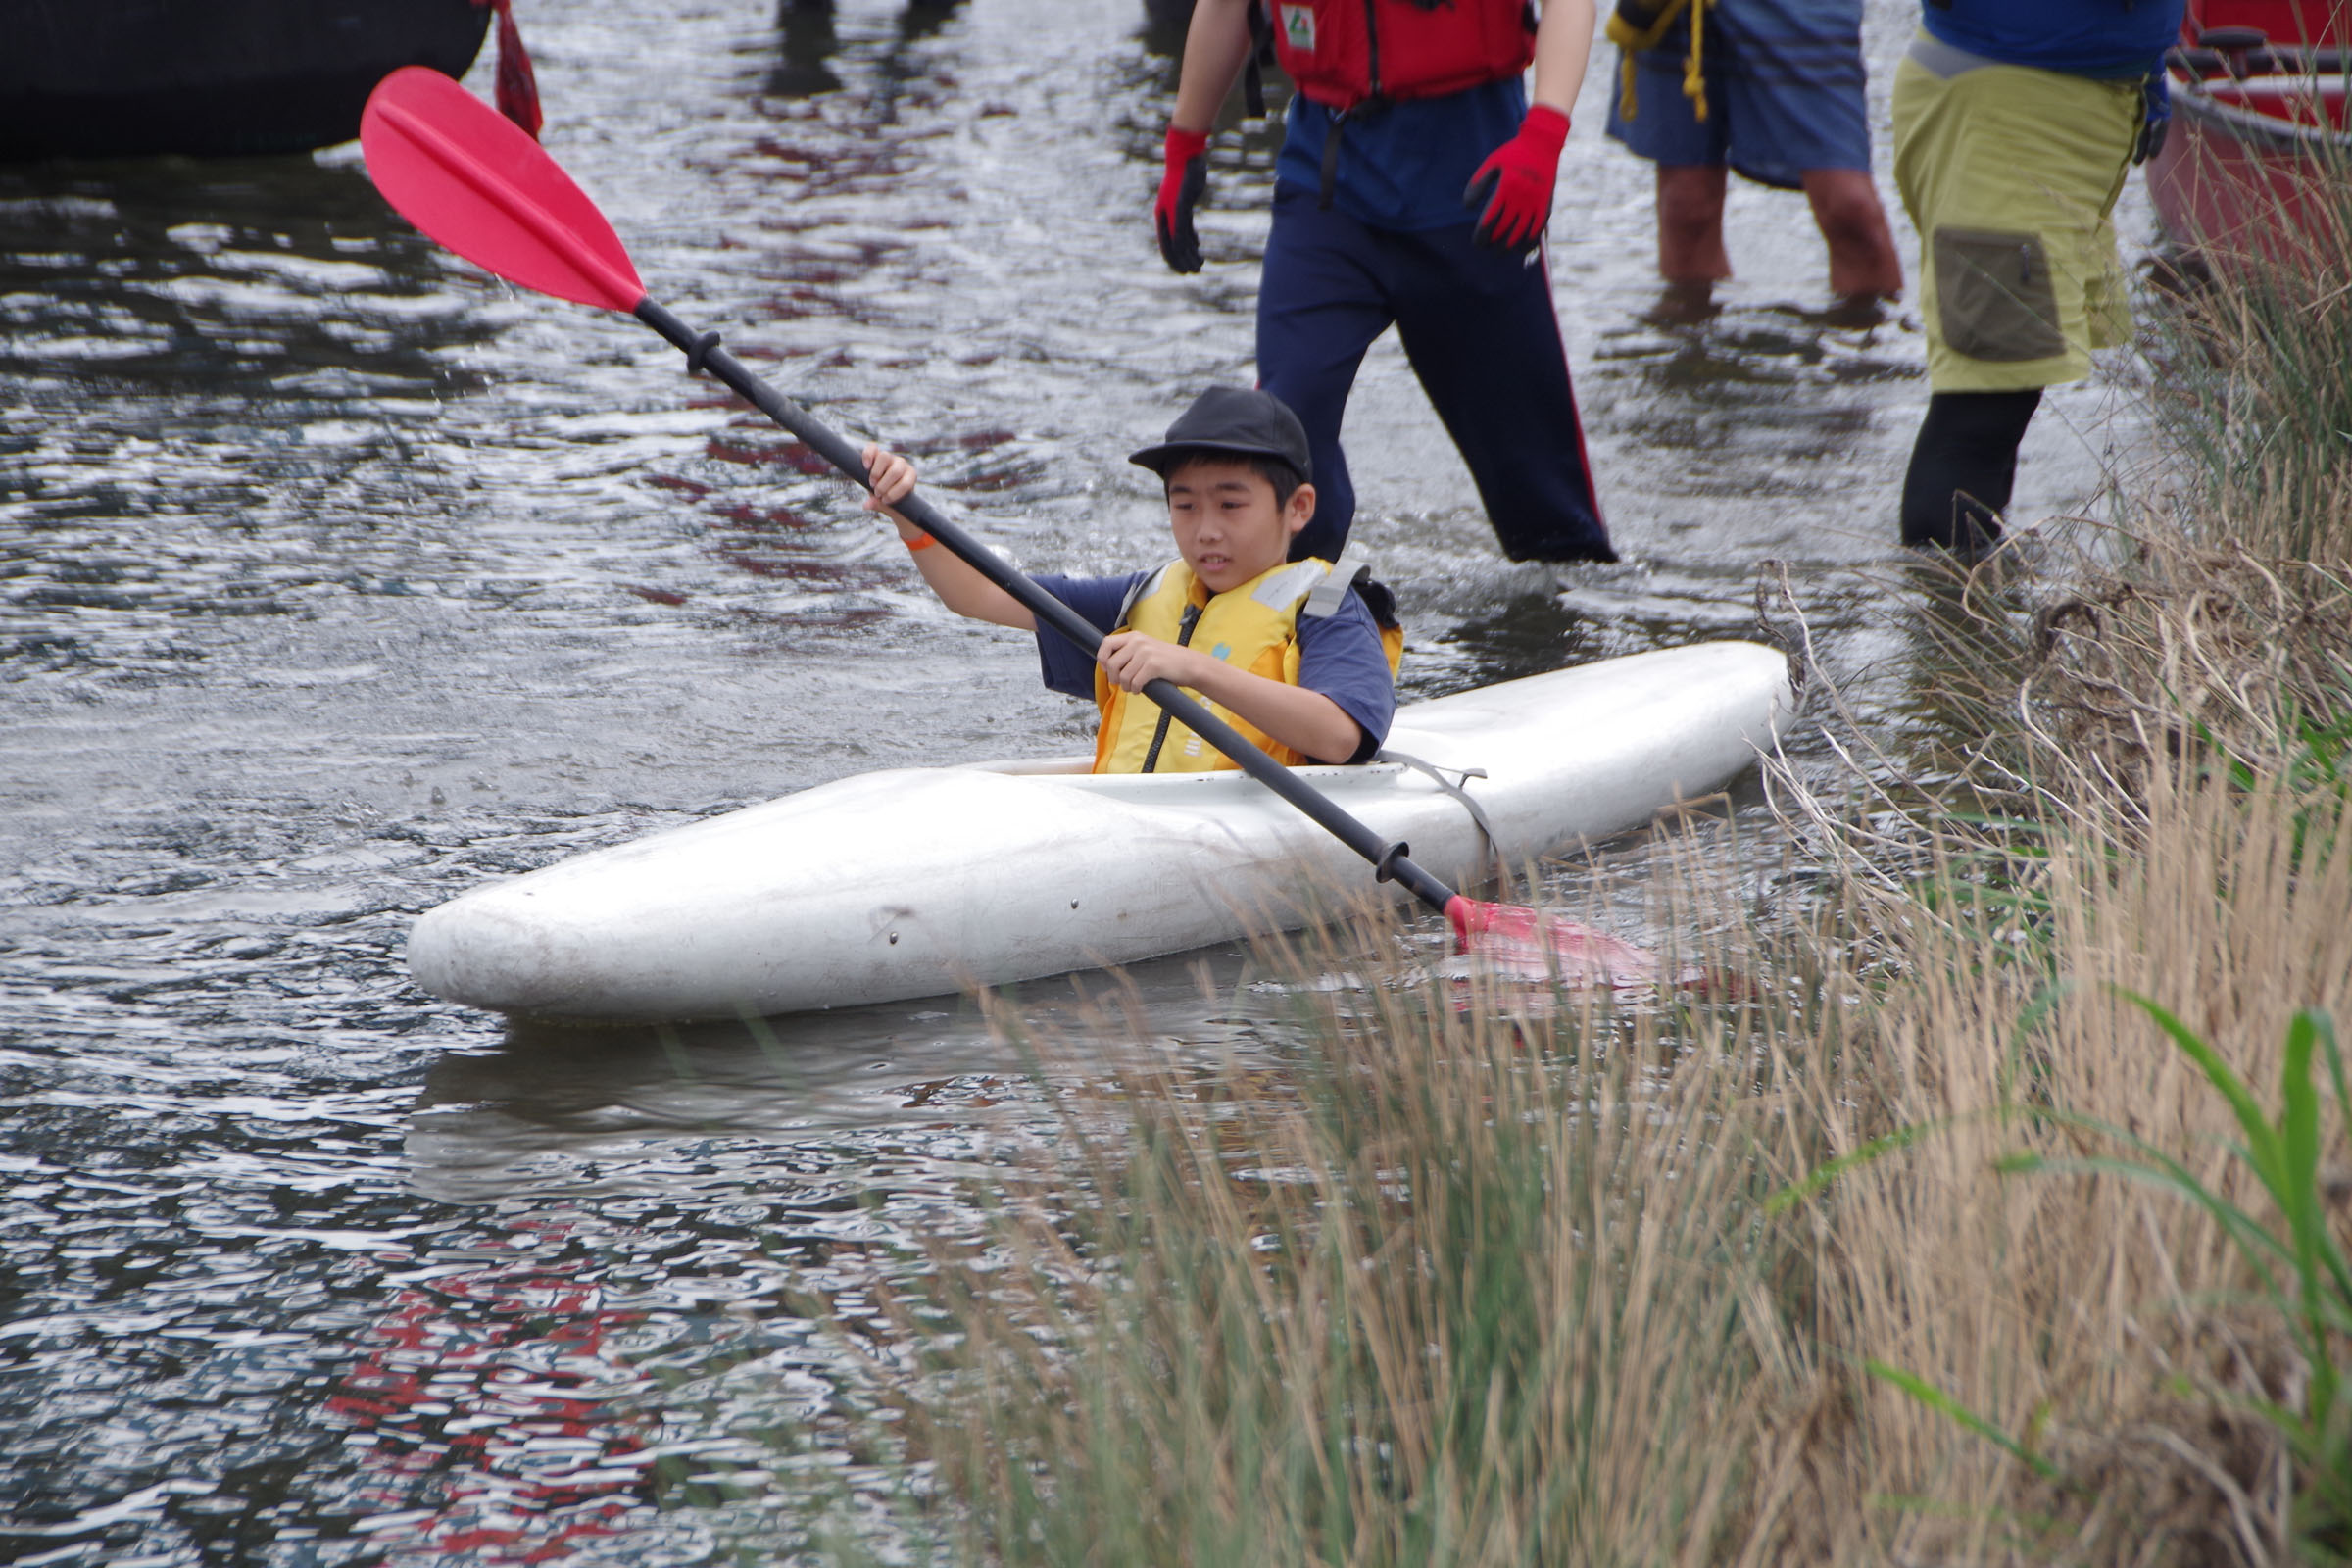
point(1994, 297)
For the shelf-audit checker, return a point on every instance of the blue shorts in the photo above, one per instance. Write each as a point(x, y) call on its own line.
point(1783, 86)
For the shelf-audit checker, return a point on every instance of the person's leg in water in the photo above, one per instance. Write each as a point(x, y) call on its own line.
point(1963, 467)
point(1863, 262)
point(1321, 304)
point(1480, 329)
point(1687, 150)
point(1690, 224)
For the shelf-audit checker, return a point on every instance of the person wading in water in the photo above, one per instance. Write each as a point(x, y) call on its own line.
point(1414, 186)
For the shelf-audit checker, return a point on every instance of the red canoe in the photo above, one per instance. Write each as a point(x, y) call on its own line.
point(2256, 163)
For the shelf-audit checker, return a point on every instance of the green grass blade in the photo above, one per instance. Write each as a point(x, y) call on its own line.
point(1934, 1399)
point(1819, 1177)
point(2322, 1028)
point(2251, 1237)
point(2299, 1151)
point(2161, 1169)
point(2262, 1140)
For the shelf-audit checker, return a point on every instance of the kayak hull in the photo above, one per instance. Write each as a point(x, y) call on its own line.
point(920, 882)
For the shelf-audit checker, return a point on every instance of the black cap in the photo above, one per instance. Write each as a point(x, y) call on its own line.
point(1235, 422)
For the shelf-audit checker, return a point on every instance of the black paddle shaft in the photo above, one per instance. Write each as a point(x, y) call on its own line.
point(1390, 860)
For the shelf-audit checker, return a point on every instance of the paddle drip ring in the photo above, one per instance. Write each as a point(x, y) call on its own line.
point(699, 354)
point(1384, 869)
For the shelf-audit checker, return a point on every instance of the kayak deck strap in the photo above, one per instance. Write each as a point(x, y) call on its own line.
point(1455, 788)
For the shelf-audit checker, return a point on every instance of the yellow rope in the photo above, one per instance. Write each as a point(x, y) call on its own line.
point(1632, 39)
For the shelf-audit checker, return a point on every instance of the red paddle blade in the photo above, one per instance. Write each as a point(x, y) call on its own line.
point(471, 180)
point(1538, 945)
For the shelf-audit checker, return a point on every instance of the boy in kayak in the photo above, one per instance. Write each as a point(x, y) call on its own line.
point(1297, 656)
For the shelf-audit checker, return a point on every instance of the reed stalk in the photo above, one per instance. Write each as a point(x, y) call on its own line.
point(1460, 1277)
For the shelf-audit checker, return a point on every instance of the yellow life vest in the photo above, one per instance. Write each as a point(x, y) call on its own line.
point(1254, 627)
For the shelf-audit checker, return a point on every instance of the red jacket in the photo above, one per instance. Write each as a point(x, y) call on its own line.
point(1342, 52)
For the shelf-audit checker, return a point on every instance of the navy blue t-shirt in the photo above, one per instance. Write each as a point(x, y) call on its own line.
point(2108, 40)
point(1338, 655)
point(1404, 166)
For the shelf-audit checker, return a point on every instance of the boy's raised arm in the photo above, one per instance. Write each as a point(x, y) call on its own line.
point(960, 586)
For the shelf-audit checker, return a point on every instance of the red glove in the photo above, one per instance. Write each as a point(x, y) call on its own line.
point(1179, 188)
point(1513, 186)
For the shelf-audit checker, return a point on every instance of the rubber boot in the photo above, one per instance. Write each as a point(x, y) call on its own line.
point(1963, 467)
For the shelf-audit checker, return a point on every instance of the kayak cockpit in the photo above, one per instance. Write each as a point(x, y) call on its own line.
point(1036, 767)
point(1082, 767)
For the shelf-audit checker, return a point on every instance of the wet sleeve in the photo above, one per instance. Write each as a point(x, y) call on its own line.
point(1065, 667)
point(1340, 655)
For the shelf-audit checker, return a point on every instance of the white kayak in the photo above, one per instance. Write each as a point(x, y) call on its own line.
point(919, 882)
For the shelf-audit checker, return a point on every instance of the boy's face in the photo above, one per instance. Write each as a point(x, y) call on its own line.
point(1227, 526)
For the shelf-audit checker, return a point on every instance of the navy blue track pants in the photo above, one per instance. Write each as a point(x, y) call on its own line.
point(1477, 324)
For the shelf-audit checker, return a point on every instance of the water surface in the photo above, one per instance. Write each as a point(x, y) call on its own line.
point(336, 578)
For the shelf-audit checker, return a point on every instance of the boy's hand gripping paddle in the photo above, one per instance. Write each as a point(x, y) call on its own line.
point(477, 184)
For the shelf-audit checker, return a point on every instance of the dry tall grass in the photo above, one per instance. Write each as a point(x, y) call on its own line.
point(2105, 1327)
point(2073, 1367)
point(1473, 1277)
point(2076, 1368)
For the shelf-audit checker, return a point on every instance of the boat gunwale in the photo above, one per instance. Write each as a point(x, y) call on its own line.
point(2251, 128)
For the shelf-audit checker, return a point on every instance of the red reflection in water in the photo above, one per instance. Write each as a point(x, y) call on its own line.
point(791, 454)
point(762, 520)
point(494, 1400)
point(809, 570)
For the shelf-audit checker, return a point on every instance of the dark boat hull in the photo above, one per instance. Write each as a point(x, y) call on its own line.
point(107, 79)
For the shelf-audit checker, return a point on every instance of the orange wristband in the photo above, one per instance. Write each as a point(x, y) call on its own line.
point(921, 541)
